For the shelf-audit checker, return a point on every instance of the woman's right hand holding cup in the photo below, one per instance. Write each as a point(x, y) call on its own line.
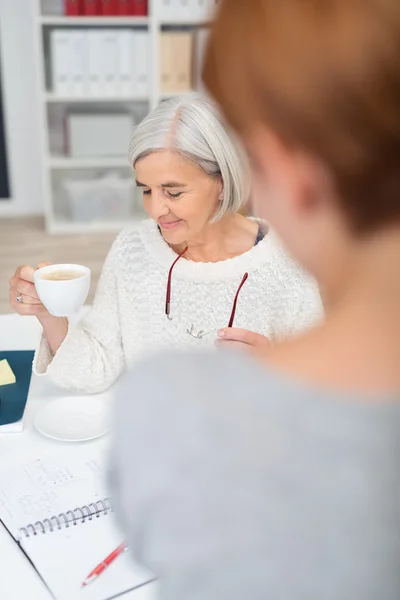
point(24, 300)
point(23, 296)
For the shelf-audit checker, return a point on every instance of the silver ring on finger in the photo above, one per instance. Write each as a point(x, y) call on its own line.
point(19, 299)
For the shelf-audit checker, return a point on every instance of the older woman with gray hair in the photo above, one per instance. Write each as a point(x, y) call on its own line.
point(189, 272)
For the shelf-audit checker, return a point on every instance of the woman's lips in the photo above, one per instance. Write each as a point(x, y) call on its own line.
point(169, 224)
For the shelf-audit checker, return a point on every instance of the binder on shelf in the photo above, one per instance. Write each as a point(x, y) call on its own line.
point(109, 62)
point(78, 63)
point(166, 78)
point(141, 63)
point(109, 7)
point(169, 10)
point(187, 10)
point(140, 8)
point(60, 45)
point(125, 61)
point(73, 8)
point(175, 61)
point(95, 69)
point(200, 43)
point(180, 11)
point(203, 10)
point(182, 52)
point(92, 7)
point(124, 7)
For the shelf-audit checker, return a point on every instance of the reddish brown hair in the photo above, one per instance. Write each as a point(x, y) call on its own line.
point(324, 75)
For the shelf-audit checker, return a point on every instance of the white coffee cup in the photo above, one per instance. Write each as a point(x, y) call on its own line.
point(62, 289)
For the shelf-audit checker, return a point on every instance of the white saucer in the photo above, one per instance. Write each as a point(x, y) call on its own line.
point(73, 419)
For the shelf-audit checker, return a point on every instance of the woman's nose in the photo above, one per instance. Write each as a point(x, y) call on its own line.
point(159, 207)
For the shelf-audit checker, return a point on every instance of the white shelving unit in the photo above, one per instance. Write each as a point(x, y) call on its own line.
point(55, 20)
point(51, 98)
point(65, 162)
point(54, 165)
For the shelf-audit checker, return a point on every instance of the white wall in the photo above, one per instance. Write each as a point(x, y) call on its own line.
point(21, 107)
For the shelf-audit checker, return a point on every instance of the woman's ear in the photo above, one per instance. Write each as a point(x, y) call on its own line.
point(220, 189)
point(314, 182)
point(291, 172)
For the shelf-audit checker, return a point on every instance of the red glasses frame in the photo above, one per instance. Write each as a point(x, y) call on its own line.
point(169, 286)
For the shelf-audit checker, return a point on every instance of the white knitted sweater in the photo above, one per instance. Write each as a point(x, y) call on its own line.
point(128, 321)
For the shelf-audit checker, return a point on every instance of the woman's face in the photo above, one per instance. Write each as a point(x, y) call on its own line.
point(177, 194)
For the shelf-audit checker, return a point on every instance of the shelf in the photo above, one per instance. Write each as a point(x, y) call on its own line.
point(97, 21)
point(66, 162)
point(60, 20)
point(184, 23)
point(73, 228)
point(53, 98)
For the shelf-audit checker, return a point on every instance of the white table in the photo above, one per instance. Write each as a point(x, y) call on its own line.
point(18, 580)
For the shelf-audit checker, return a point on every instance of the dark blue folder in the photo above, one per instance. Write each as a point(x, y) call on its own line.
point(14, 396)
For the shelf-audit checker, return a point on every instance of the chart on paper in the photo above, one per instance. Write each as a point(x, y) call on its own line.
point(50, 486)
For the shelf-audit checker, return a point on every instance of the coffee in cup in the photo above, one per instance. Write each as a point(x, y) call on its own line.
point(62, 275)
point(63, 288)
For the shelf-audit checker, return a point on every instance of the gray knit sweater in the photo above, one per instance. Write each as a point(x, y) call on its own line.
point(232, 482)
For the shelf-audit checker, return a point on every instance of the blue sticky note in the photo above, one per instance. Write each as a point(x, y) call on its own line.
point(14, 396)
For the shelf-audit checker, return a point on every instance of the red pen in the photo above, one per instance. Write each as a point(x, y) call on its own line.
point(104, 564)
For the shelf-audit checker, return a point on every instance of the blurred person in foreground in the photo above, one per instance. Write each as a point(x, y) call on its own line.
point(278, 476)
point(185, 272)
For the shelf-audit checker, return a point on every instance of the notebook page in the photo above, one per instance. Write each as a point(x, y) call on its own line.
point(50, 486)
point(65, 558)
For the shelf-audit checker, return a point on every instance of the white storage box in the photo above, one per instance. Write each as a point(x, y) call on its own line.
point(108, 198)
point(98, 134)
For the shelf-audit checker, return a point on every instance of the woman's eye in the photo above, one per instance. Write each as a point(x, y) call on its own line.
point(146, 192)
point(171, 195)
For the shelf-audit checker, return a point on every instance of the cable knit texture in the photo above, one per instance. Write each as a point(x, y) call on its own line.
point(128, 321)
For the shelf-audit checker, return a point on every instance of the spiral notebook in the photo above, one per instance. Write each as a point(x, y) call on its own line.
point(58, 512)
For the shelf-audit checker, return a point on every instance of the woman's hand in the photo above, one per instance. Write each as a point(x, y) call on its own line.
point(242, 339)
point(22, 286)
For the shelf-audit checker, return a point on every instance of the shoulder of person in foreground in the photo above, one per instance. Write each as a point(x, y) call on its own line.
point(175, 414)
point(220, 467)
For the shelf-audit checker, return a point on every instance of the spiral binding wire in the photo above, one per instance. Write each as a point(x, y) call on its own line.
point(81, 514)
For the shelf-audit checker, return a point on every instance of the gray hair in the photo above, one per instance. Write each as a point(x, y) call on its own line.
point(192, 125)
